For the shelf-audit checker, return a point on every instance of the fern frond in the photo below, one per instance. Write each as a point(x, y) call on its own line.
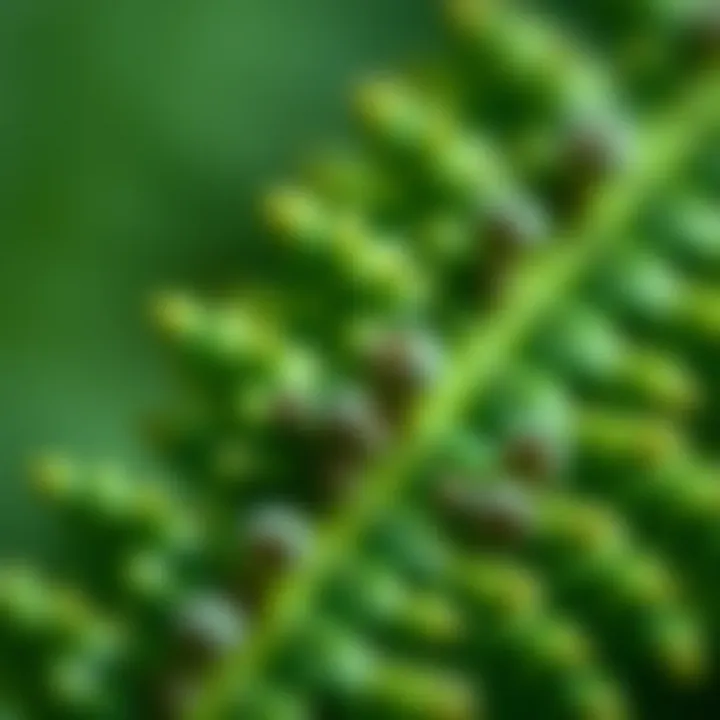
point(460, 468)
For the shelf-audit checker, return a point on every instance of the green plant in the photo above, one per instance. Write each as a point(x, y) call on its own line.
point(449, 450)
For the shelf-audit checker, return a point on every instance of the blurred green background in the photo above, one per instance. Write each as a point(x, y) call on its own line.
point(134, 136)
